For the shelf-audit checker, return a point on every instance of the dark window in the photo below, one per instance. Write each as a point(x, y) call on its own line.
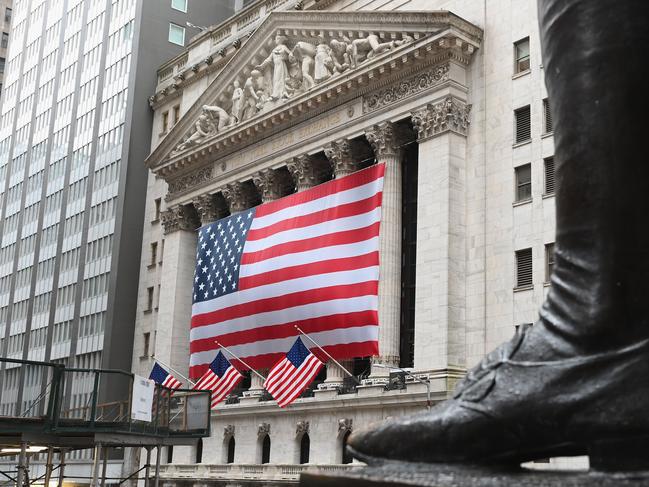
point(547, 117)
point(149, 299)
point(8, 14)
point(231, 445)
point(523, 267)
point(199, 451)
point(176, 114)
point(522, 55)
point(549, 260)
point(2, 65)
point(158, 203)
point(523, 124)
point(147, 339)
point(5, 40)
point(165, 122)
point(548, 167)
point(523, 182)
point(305, 446)
point(347, 457)
point(154, 253)
point(170, 454)
point(265, 449)
point(408, 256)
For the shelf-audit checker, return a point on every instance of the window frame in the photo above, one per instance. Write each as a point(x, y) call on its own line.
point(521, 59)
point(546, 161)
point(518, 185)
point(518, 255)
point(549, 261)
point(180, 9)
point(548, 128)
point(517, 112)
point(171, 26)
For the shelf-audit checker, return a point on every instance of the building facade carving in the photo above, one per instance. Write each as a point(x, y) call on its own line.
point(345, 424)
point(383, 139)
point(449, 114)
point(193, 179)
point(228, 431)
point(339, 154)
point(178, 217)
point(301, 428)
point(267, 183)
point(263, 429)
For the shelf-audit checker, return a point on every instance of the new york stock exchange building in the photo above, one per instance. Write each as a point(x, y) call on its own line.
point(287, 96)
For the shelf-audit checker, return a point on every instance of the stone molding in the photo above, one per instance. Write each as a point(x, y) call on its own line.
point(178, 217)
point(406, 88)
point(263, 429)
point(340, 156)
point(189, 180)
point(267, 183)
point(447, 115)
point(383, 139)
point(301, 427)
point(228, 431)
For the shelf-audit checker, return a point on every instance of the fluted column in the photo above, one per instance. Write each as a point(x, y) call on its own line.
point(236, 196)
point(340, 156)
point(382, 138)
point(304, 172)
point(442, 282)
point(267, 183)
point(175, 300)
point(207, 208)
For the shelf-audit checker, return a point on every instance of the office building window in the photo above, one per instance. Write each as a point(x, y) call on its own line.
point(165, 122)
point(2, 65)
point(176, 114)
point(523, 182)
point(158, 203)
point(523, 124)
point(523, 268)
point(549, 260)
point(147, 340)
point(149, 299)
point(176, 34)
point(5, 40)
point(179, 5)
point(8, 14)
point(547, 117)
point(548, 170)
point(522, 55)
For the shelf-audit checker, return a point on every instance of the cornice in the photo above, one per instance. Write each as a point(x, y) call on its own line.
point(448, 42)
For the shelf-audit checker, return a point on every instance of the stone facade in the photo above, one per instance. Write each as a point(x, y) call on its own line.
point(429, 80)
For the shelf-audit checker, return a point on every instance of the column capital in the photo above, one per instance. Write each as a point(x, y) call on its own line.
point(178, 217)
point(236, 196)
point(383, 139)
point(303, 171)
point(267, 183)
point(207, 209)
point(339, 154)
point(447, 115)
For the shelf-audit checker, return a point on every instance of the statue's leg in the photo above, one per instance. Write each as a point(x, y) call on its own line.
point(576, 381)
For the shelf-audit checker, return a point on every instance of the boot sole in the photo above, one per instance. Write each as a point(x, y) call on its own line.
point(610, 455)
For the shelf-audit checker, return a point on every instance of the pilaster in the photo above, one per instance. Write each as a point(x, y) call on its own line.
point(383, 139)
point(441, 235)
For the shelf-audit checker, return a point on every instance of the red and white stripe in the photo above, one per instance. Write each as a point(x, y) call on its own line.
point(286, 382)
point(311, 258)
point(171, 382)
point(220, 386)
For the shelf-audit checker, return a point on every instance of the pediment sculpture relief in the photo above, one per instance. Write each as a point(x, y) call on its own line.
point(293, 67)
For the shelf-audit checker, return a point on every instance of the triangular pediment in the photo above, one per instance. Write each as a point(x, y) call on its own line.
point(297, 61)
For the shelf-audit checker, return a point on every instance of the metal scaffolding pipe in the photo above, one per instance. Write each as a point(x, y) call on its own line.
point(104, 456)
point(48, 466)
point(22, 467)
point(147, 469)
point(156, 481)
point(95, 465)
point(61, 466)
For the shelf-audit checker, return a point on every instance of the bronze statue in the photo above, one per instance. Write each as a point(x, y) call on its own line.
point(577, 381)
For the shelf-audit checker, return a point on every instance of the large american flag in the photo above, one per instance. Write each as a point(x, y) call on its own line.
point(291, 375)
point(310, 258)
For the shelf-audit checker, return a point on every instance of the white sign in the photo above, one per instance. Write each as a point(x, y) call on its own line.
point(142, 402)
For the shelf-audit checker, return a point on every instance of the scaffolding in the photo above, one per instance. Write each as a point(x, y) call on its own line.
point(50, 409)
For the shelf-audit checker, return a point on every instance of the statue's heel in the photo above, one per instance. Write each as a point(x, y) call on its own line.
point(620, 455)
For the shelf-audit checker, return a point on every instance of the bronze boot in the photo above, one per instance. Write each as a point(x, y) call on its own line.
point(577, 381)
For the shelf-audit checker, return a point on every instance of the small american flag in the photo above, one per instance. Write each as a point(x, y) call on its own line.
point(310, 258)
point(291, 375)
point(164, 378)
point(220, 378)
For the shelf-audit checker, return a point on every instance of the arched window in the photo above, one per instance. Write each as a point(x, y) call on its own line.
point(265, 449)
point(347, 458)
point(231, 445)
point(305, 446)
point(199, 451)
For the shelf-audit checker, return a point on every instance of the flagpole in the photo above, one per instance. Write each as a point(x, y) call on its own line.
point(237, 358)
point(327, 354)
point(174, 371)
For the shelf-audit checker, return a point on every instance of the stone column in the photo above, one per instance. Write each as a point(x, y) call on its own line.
point(382, 138)
point(441, 238)
point(267, 183)
point(303, 171)
point(340, 156)
point(236, 197)
point(175, 308)
point(207, 209)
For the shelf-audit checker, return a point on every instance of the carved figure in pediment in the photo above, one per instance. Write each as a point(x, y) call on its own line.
point(304, 53)
point(218, 116)
point(405, 39)
point(368, 47)
point(254, 96)
point(323, 61)
point(278, 59)
point(237, 95)
point(211, 120)
point(341, 54)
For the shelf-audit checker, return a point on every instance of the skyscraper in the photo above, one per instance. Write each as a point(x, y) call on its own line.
point(75, 126)
point(6, 12)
